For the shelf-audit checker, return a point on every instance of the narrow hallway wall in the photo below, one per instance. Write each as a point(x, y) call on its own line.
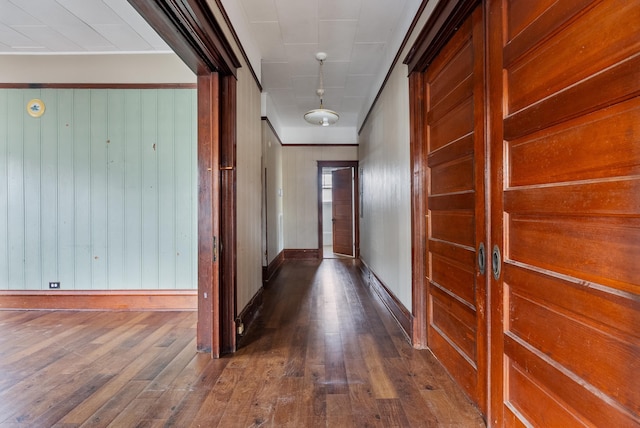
point(385, 223)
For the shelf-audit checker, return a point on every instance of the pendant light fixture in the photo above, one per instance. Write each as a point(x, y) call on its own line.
point(321, 116)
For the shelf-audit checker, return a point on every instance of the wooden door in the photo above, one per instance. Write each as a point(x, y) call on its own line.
point(456, 291)
point(565, 94)
point(342, 210)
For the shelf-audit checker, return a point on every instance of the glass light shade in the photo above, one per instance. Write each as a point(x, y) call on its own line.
point(321, 116)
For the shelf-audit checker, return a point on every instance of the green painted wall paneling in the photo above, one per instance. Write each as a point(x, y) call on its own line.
point(100, 192)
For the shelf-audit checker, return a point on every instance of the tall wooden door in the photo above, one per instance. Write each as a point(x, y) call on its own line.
point(342, 210)
point(565, 94)
point(456, 291)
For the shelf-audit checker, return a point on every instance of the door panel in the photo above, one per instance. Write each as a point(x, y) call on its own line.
point(455, 206)
point(342, 206)
point(566, 213)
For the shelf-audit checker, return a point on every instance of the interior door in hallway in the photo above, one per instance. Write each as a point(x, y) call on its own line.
point(456, 291)
point(565, 94)
point(342, 210)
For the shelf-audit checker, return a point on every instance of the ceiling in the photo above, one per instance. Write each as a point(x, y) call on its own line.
point(281, 37)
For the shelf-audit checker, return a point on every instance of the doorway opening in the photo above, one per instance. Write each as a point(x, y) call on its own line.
point(338, 209)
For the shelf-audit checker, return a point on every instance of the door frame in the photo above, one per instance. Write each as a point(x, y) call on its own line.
point(356, 206)
point(192, 31)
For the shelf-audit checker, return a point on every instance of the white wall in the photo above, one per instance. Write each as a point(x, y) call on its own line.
point(385, 224)
point(272, 162)
point(108, 68)
point(300, 179)
point(249, 189)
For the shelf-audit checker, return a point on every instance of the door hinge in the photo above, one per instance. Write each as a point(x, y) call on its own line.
point(215, 249)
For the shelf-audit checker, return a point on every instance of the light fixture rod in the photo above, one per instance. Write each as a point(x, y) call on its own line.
point(321, 116)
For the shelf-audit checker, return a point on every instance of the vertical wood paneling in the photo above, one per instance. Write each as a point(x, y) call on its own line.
point(31, 175)
point(133, 190)
point(149, 190)
point(15, 191)
point(82, 191)
point(98, 196)
point(116, 207)
point(184, 183)
point(4, 188)
point(100, 192)
point(166, 192)
point(49, 188)
point(65, 189)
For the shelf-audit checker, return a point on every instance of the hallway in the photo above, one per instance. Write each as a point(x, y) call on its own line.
point(322, 352)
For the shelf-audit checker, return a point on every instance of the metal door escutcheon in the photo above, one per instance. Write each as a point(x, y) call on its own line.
point(482, 262)
point(496, 262)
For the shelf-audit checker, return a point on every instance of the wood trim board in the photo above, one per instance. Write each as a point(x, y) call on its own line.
point(390, 301)
point(100, 300)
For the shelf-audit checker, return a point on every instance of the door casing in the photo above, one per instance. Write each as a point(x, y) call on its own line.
point(356, 197)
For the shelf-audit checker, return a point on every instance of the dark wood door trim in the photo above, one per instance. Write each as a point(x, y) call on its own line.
point(228, 215)
point(356, 197)
point(208, 339)
point(419, 208)
point(495, 317)
point(440, 27)
point(191, 30)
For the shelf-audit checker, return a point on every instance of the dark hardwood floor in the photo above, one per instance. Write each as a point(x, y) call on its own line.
point(322, 352)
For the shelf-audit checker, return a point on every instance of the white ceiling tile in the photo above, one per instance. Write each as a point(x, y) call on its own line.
point(14, 39)
point(13, 15)
point(300, 31)
point(335, 73)
point(302, 58)
point(379, 19)
point(366, 57)
point(339, 9)
point(128, 14)
point(269, 40)
point(260, 10)
point(298, 20)
point(305, 86)
point(122, 37)
point(47, 37)
point(85, 36)
point(48, 12)
point(91, 12)
point(336, 38)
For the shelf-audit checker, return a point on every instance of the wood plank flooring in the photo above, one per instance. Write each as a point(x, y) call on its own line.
point(323, 352)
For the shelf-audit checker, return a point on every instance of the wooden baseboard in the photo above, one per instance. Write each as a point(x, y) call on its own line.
point(398, 310)
point(248, 314)
point(270, 271)
point(301, 254)
point(100, 300)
